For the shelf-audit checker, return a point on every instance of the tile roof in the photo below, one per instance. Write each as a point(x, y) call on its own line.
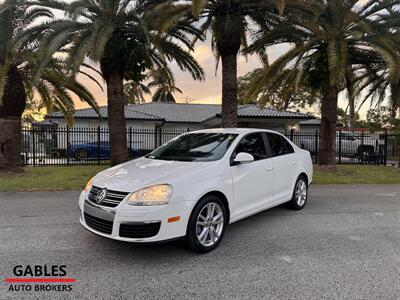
point(184, 113)
point(90, 113)
point(311, 122)
point(251, 110)
point(179, 112)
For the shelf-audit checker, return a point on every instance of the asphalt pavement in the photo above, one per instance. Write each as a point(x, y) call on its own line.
point(344, 245)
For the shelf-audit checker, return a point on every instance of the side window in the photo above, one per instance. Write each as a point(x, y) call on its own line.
point(254, 145)
point(278, 145)
point(289, 147)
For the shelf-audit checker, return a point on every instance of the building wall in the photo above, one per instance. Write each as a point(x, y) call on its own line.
point(309, 128)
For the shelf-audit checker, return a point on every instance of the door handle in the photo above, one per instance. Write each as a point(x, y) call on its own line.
point(270, 169)
point(294, 163)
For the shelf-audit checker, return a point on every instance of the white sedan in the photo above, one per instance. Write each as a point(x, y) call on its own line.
point(195, 185)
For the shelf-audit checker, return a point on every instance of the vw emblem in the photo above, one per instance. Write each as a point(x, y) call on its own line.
point(101, 196)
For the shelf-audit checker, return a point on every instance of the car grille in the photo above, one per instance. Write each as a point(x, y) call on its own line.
point(139, 230)
point(98, 224)
point(112, 199)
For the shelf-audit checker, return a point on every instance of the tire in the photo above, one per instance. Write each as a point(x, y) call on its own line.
point(80, 154)
point(200, 214)
point(300, 194)
point(55, 154)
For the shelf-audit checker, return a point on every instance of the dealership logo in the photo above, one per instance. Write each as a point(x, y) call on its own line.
point(40, 278)
point(101, 196)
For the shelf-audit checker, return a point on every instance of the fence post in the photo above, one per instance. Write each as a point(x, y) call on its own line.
point(385, 148)
point(68, 144)
point(340, 146)
point(130, 143)
point(316, 145)
point(98, 145)
point(34, 146)
point(155, 137)
point(362, 147)
point(291, 134)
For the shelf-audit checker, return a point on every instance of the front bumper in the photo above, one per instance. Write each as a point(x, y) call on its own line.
point(141, 216)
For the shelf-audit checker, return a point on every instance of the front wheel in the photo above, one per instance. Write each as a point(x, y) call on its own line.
point(300, 194)
point(207, 224)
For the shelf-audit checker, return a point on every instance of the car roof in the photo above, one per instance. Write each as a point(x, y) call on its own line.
point(239, 131)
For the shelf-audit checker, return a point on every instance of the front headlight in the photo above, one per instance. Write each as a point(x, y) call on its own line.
point(153, 195)
point(88, 185)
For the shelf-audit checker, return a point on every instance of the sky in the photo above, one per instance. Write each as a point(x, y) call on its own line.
point(207, 91)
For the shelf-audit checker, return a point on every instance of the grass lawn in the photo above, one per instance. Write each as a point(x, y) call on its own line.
point(49, 178)
point(75, 177)
point(357, 174)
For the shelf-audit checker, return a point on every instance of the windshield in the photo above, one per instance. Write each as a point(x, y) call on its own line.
point(195, 147)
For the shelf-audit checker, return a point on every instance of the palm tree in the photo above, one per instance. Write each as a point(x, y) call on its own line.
point(162, 80)
point(134, 92)
point(164, 83)
point(325, 35)
point(284, 94)
point(126, 38)
point(231, 22)
point(17, 69)
point(373, 82)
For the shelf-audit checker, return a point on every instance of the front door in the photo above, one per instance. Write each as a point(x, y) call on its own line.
point(253, 182)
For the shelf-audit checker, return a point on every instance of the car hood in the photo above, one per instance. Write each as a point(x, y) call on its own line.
point(143, 172)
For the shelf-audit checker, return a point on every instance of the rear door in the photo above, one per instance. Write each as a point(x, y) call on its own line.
point(253, 182)
point(284, 161)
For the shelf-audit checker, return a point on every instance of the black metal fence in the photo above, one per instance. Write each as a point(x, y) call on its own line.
point(381, 148)
point(55, 146)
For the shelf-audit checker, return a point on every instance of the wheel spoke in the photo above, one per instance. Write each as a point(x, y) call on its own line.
point(203, 235)
point(201, 223)
point(215, 233)
point(218, 219)
point(212, 234)
point(203, 218)
point(210, 210)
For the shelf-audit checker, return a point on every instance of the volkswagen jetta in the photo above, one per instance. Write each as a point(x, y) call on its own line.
point(195, 185)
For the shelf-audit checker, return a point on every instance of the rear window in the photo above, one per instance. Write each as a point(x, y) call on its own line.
point(279, 145)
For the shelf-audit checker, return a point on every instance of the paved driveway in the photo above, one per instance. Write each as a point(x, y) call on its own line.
point(345, 244)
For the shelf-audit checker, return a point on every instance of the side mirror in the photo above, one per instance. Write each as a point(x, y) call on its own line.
point(243, 157)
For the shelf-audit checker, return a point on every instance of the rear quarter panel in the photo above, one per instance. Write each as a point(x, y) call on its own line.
point(306, 164)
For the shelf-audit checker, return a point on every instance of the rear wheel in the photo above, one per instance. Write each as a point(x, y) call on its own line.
point(207, 224)
point(300, 194)
point(80, 154)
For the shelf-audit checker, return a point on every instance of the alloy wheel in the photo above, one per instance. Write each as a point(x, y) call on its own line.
point(301, 192)
point(209, 224)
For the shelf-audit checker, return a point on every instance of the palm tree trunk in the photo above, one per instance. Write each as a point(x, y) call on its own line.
point(327, 143)
point(395, 100)
point(116, 117)
point(13, 105)
point(350, 91)
point(352, 114)
point(229, 90)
